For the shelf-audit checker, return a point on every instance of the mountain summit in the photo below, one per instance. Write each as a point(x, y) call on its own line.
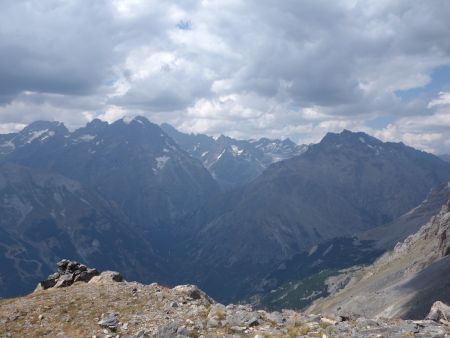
point(131, 161)
point(233, 163)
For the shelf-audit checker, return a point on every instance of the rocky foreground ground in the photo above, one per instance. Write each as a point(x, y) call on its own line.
point(103, 305)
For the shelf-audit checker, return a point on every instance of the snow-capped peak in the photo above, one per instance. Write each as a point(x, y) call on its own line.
point(40, 135)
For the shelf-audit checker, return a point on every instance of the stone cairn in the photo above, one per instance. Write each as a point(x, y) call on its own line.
point(68, 273)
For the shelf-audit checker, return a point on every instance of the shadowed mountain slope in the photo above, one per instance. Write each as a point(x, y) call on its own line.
point(46, 216)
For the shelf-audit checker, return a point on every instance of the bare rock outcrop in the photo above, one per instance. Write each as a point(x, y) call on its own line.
point(439, 312)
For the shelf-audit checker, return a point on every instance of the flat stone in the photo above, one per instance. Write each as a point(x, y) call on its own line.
point(109, 321)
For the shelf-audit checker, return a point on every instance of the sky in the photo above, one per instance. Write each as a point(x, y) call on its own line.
point(247, 69)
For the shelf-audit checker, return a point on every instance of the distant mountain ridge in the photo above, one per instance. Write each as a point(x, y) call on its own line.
point(232, 162)
point(259, 222)
point(347, 183)
point(123, 161)
point(147, 182)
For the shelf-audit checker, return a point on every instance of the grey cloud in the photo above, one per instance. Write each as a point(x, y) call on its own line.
point(269, 60)
point(54, 47)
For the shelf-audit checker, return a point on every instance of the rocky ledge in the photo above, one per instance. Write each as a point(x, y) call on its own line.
point(106, 306)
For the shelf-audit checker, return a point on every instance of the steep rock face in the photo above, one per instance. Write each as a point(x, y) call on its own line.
point(46, 216)
point(404, 282)
point(130, 161)
point(348, 183)
point(232, 162)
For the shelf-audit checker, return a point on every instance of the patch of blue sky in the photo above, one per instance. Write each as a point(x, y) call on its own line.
point(440, 81)
point(184, 25)
point(380, 121)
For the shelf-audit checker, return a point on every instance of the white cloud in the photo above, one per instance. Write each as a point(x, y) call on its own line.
point(248, 69)
point(443, 99)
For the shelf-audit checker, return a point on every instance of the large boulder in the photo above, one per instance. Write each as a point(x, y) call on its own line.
point(439, 312)
point(106, 277)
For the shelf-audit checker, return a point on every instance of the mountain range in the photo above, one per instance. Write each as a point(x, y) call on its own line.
point(347, 183)
point(232, 162)
point(158, 204)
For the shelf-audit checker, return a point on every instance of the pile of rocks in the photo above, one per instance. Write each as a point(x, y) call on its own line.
point(68, 273)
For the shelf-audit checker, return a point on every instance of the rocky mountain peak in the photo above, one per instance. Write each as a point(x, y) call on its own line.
point(96, 124)
point(51, 125)
point(134, 120)
point(40, 132)
point(139, 129)
point(348, 138)
point(105, 306)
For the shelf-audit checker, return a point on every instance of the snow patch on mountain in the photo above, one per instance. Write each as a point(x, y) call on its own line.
point(130, 119)
point(161, 162)
point(38, 133)
point(236, 150)
point(8, 145)
point(127, 119)
point(86, 138)
point(223, 152)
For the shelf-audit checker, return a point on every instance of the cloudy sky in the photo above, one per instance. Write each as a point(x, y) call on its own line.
point(247, 69)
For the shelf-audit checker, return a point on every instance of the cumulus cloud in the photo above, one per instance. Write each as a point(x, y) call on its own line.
point(248, 69)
